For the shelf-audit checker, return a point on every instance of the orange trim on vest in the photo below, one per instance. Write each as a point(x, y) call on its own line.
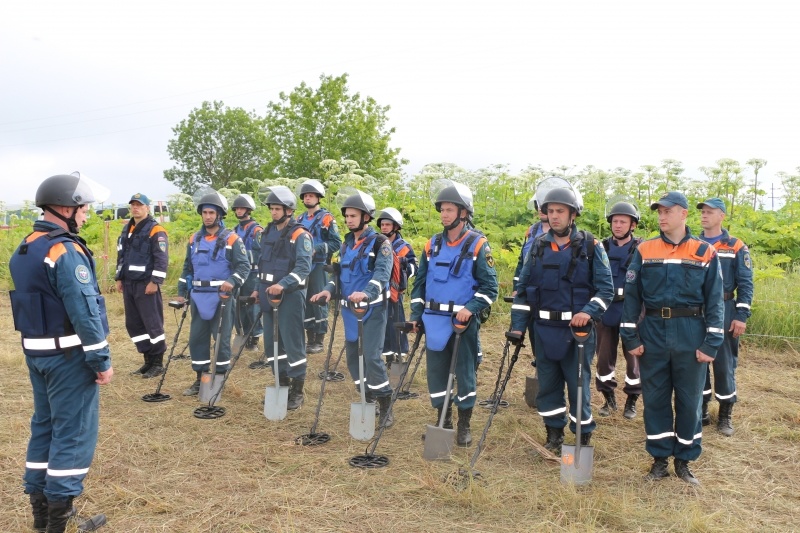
point(657, 248)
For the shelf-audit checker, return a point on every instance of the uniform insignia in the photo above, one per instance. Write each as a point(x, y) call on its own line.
point(82, 274)
point(747, 261)
point(630, 276)
point(162, 244)
point(307, 245)
point(386, 250)
point(489, 257)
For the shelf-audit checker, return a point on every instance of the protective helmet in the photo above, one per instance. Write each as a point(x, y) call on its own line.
point(533, 204)
point(311, 186)
point(69, 190)
point(390, 213)
point(281, 195)
point(361, 201)
point(244, 200)
point(563, 196)
point(623, 208)
point(458, 194)
point(214, 198)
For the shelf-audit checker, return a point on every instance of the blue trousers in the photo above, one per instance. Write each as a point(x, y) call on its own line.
point(291, 339)
point(144, 320)
point(438, 369)
point(201, 334)
point(316, 318)
point(724, 364)
point(246, 314)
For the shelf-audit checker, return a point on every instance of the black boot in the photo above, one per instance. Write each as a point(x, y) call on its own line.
point(39, 507)
point(284, 380)
point(586, 438)
point(194, 388)
point(58, 513)
point(142, 369)
point(658, 470)
point(555, 438)
point(683, 472)
point(312, 344)
point(630, 406)
point(156, 368)
point(464, 436)
point(386, 415)
point(251, 344)
point(610, 405)
point(318, 342)
point(724, 419)
point(705, 418)
point(296, 394)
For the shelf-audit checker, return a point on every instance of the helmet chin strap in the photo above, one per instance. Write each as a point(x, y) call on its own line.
point(362, 223)
point(565, 232)
point(456, 222)
point(283, 218)
point(72, 225)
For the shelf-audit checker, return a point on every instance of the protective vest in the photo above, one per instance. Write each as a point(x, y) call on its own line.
point(278, 254)
point(246, 231)
point(136, 251)
point(211, 268)
point(314, 227)
point(449, 284)
point(39, 313)
point(619, 258)
point(357, 265)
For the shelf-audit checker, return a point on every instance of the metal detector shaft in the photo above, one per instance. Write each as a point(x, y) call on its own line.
point(235, 358)
point(174, 305)
point(313, 430)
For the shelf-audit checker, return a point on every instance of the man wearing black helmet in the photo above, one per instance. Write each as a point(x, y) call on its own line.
point(623, 218)
point(284, 265)
point(250, 232)
point(539, 227)
point(565, 282)
point(322, 226)
point(216, 264)
point(61, 315)
point(364, 277)
point(456, 280)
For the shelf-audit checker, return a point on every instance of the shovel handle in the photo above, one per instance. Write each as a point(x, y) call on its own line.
point(404, 326)
point(359, 310)
point(460, 327)
point(581, 333)
point(249, 300)
point(275, 301)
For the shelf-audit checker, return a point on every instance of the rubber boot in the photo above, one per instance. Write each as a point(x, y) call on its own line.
point(296, 396)
point(610, 405)
point(386, 416)
point(555, 438)
point(683, 472)
point(586, 438)
point(724, 419)
point(58, 513)
point(194, 388)
point(284, 380)
point(156, 366)
point(316, 345)
point(705, 418)
point(658, 470)
point(39, 507)
point(630, 406)
point(463, 435)
point(142, 369)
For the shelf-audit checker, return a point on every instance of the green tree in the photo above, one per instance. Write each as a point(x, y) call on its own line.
point(217, 145)
point(756, 165)
point(308, 126)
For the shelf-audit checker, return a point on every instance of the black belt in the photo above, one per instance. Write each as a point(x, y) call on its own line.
point(675, 312)
point(618, 298)
point(729, 296)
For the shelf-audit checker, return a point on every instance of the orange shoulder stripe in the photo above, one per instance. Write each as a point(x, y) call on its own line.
point(35, 235)
point(157, 229)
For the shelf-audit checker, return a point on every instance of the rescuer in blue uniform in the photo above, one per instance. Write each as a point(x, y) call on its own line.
point(565, 281)
point(539, 227)
point(142, 261)
point(737, 283)
point(61, 315)
point(623, 218)
point(456, 275)
point(250, 232)
point(395, 344)
point(216, 265)
point(322, 226)
point(677, 278)
point(284, 265)
point(364, 271)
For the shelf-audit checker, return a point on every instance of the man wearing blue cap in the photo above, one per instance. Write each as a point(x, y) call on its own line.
point(142, 260)
point(677, 278)
point(737, 281)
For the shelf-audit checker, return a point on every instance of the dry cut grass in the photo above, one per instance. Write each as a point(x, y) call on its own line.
point(159, 469)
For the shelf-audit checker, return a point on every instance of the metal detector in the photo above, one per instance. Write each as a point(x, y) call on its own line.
point(157, 396)
point(333, 375)
point(405, 393)
point(209, 384)
point(276, 399)
point(362, 416)
point(489, 402)
point(398, 367)
point(369, 459)
point(213, 411)
point(438, 439)
point(531, 382)
point(573, 470)
point(243, 304)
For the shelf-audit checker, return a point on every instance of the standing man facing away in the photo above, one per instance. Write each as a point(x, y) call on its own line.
point(456, 276)
point(61, 315)
point(540, 227)
point(620, 247)
point(142, 261)
point(737, 287)
point(250, 232)
point(565, 282)
point(677, 278)
point(216, 264)
point(322, 226)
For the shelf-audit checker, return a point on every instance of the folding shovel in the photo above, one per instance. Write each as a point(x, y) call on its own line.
point(576, 468)
point(362, 415)
point(276, 398)
point(210, 385)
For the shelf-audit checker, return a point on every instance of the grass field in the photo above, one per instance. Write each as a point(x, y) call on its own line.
point(159, 469)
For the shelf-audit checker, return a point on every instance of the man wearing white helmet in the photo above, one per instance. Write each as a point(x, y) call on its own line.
point(250, 232)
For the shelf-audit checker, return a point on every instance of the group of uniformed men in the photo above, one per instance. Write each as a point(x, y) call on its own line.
point(667, 295)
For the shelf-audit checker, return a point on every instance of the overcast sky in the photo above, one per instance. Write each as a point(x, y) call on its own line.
point(96, 86)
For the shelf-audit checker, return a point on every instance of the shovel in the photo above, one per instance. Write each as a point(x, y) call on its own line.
point(438, 440)
point(573, 470)
point(276, 399)
point(209, 384)
point(362, 415)
point(244, 303)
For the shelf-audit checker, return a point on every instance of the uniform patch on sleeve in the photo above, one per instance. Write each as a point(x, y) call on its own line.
point(162, 244)
point(489, 257)
point(747, 262)
point(307, 244)
point(386, 249)
point(630, 276)
point(82, 274)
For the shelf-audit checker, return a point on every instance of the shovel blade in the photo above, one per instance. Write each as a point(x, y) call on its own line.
point(395, 372)
point(531, 390)
point(438, 443)
point(276, 401)
point(576, 470)
point(210, 385)
point(237, 343)
point(362, 421)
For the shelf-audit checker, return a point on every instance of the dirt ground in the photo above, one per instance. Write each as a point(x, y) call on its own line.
point(159, 469)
